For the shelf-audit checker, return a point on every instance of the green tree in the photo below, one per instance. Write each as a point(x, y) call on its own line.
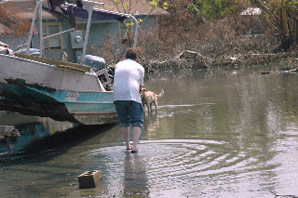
point(214, 9)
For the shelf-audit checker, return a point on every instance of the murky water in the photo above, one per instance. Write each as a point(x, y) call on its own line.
point(214, 135)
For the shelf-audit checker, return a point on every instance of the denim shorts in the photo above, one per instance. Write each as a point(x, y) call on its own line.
point(130, 113)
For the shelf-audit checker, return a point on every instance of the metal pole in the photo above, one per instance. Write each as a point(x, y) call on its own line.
point(50, 36)
point(32, 25)
point(89, 6)
point(40, 32)
point(136, 31)
point(58, 33)
point(31, 30)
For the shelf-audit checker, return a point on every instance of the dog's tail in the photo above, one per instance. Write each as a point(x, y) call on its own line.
point(161, 93)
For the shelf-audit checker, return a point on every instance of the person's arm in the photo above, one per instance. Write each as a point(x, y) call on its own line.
point(142, 74)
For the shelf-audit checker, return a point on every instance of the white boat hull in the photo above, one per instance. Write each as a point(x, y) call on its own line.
point(38, 88)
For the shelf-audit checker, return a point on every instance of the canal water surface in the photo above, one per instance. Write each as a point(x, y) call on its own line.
point(214, 135)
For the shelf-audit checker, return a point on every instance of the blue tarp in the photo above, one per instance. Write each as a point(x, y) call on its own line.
point(96, 14)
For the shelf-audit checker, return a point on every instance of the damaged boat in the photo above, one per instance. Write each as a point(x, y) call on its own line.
point(63, 91)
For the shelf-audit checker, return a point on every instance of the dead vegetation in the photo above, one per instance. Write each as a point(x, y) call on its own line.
point(228, 41)
point(10, 24)
point(217, 44)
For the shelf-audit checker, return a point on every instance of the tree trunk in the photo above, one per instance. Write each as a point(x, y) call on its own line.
point(286, 37)
point(281, 23)
point(284, 19)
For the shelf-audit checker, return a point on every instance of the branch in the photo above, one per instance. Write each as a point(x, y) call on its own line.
point(264, 8)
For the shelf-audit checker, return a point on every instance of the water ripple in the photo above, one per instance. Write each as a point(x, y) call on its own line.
point(171, 164)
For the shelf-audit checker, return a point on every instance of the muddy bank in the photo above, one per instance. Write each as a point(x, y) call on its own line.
point(194, 60)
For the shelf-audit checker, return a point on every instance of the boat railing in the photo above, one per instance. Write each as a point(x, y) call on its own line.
point(50, 36)
point(58, 63)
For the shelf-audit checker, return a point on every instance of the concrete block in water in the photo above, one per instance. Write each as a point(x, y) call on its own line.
point(89, 179)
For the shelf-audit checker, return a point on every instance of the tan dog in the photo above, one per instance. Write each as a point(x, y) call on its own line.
point(149, 98)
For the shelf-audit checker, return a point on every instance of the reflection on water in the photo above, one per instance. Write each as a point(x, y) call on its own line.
point(135, 179)
point(214, 135)
point(30, 128)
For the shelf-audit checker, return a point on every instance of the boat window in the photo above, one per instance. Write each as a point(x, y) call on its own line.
point(54, 42)
point(80, 26)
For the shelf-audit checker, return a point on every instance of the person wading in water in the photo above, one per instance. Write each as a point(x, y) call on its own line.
point(128, 82)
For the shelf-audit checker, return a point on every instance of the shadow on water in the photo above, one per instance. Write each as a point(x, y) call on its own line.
point(38, 143)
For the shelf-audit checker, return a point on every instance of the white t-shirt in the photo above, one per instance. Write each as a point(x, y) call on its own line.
point(129, 75)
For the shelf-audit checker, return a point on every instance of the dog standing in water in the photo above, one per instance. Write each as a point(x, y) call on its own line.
point(149, 98)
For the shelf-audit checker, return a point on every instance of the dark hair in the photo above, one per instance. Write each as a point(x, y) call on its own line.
point(131, 53)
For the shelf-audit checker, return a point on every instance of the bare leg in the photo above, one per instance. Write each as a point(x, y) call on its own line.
point(125, 132)
point(136, 132)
